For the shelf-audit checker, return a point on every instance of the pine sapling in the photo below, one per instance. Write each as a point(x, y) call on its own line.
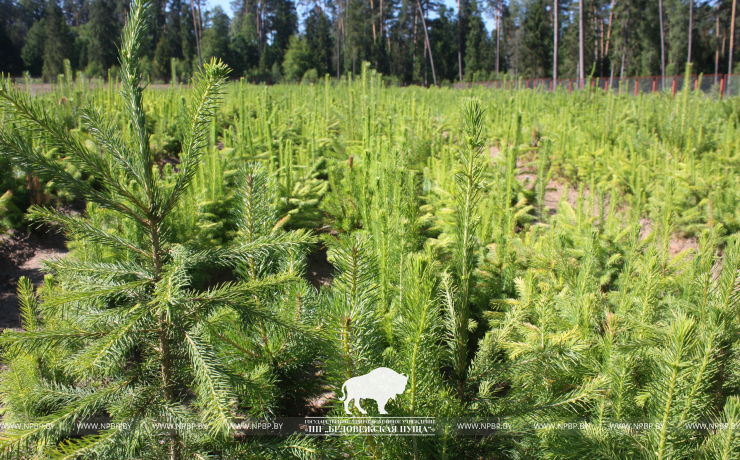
point(468, 188)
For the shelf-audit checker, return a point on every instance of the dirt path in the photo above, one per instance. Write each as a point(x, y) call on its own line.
point(21, 254)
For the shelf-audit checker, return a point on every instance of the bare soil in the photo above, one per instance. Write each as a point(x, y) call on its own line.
point(21, 254)
point(38, 88)
point(554, 193)
point(319, 272)
point(556, 188)
point(528, 176)
point(677, 245)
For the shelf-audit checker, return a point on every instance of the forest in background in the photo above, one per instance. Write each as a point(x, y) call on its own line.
point(270, 39)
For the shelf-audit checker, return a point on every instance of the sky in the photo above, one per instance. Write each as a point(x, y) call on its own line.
point(226, 5)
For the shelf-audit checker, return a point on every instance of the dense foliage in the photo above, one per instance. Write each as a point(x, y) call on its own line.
point(463, 258)
point(284, 39)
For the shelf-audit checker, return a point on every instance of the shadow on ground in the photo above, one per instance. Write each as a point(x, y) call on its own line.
point(21, 255)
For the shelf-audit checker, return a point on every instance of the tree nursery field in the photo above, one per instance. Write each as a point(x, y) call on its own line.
point(561, 267)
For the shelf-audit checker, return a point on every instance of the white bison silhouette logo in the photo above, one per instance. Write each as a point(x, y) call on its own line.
point(381, 385)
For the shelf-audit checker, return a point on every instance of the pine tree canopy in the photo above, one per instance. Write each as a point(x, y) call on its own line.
point(419, 42)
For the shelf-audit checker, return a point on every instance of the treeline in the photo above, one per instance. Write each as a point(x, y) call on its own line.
point(419, 41)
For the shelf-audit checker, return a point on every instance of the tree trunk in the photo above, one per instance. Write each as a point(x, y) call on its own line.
point(716, 46)
point(382, 25)
point(662, 43)
point(691, 27)
point(200, 21)
point(166, 374)
point(260, 26)
point(195, 29)
point(340, 29)
point(164, 339)
point(624, 39)
point(611, 77)
point(603, 35)
point(732, 43)
point(581, 60)
point(413, 63)
point(257, 24)
point(428, 45)
point(556, 34)
point(459, 41)
point(609, 31)
point(596, 39)
point(499, 17)
point(372, 13)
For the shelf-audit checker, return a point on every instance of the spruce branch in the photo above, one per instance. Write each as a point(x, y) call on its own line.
point(49, 429)
point(20, 152)
point(107, 136)
point(208, 91)
point(104, 271)
point(84, 229)
point(213, 387)
point(28, 303)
